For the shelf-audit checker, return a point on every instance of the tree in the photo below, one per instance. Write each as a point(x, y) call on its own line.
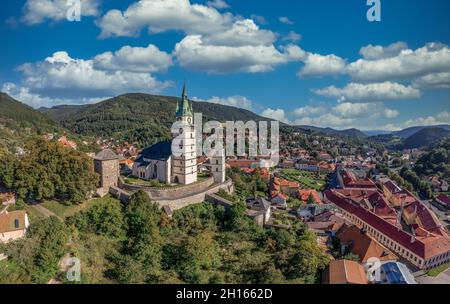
point(103, 219)
point(49, 170)
point(198, 254)
point(311, 200)
point(144, 240)
point(38, 255)
point(7, 169)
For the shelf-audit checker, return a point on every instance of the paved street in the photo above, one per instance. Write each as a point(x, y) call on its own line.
point(443, 278)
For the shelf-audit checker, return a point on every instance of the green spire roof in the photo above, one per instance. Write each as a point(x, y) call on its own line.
point(184, 107)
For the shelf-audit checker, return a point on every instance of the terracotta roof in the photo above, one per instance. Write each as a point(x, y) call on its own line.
point(285, 183)
point(304, 195)
point(350, 181)
point(425, 248)
point(346, 272)
point(363, 246)
point(242, 163)
point(8, 221)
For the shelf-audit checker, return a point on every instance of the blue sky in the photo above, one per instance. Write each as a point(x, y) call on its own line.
point(315, 62)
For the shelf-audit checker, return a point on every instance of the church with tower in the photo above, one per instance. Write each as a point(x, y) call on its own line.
point(158, 162)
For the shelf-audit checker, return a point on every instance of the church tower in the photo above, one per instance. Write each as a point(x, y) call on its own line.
point(218, 166)
point(184, 167)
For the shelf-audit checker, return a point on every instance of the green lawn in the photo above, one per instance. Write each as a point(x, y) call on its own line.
point(64, 210)
point(436, 271)
point(33, 214)
point(306, 179)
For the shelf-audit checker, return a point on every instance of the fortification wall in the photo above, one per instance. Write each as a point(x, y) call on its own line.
point(195, 198)
point(169, 193)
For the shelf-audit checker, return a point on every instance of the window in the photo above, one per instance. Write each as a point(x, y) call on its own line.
point(16, 223)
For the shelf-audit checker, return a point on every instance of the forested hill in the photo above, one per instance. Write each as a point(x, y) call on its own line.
point(140, 118)
point(14, 115)
point(425, 138)
point(19, 121)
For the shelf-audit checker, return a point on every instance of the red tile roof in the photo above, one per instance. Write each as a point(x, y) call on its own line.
point(346, 272)
point(363, 245)
point(242, 163)
point(423, 247)
point(304, 195)
point(444, 199)
point(350, 181)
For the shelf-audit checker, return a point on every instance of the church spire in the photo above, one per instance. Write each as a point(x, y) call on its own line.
point(184, 107)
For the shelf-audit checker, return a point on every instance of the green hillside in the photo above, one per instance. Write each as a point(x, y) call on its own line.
point(425, 138)
point(140, 118)
point(19, 121)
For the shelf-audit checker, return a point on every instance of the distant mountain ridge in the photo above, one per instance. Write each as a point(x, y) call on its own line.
point(426, 137)
point(346, 133)
point(405, 133)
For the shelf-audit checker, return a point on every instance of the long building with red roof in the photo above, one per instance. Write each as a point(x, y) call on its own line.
point(426, 246)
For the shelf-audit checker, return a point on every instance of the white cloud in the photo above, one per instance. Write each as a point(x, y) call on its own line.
point(219, 4)
point(327, 120)
point(346, 115)
point(37, 11)
point(276, 114)
point(233, 101)
point(293, 36)
point(310, 111)
point(192, 53)
point(68, 78)
point(433, 81)
point(375, 52)
point(389, 113)
point(163, 15)
point(353, 110)
point(440, 118)
point(373, 92)
point(134, 59)
point(319, 65)
point(408, 64)
point(242, 32)
point(285, 20)
point(24, 95)
point(259, 19)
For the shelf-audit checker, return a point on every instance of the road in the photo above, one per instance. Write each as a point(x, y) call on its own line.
point(442, 278)
point(44, 211)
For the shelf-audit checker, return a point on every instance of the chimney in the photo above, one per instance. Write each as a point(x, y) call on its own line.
point(413, 236)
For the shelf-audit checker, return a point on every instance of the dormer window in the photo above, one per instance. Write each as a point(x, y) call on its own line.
point(16, 223)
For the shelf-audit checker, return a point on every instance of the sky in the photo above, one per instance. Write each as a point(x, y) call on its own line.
point(320, 62)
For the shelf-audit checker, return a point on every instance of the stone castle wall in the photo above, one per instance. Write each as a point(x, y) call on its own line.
point(197, 198)
point(168, 193)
